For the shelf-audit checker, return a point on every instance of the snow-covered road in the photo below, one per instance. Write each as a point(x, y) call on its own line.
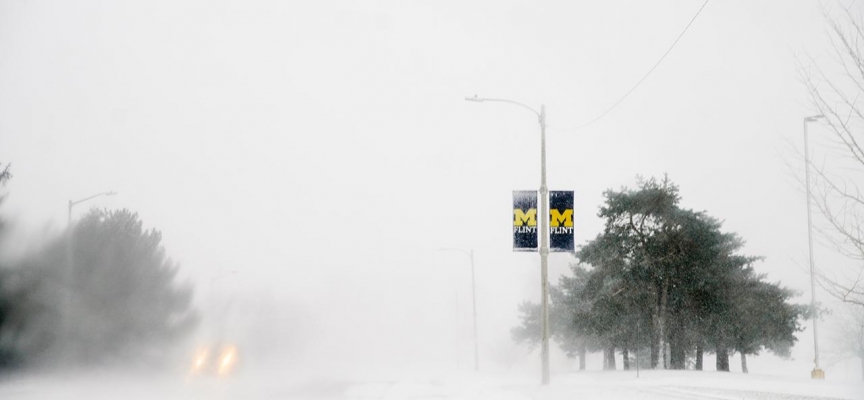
point(463, 386)
point(616, 385)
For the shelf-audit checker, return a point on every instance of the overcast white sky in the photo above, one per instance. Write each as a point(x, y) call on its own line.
point(325, 152)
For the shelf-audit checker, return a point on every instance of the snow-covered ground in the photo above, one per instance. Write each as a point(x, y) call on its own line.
point(275, 384)
point(612, 385)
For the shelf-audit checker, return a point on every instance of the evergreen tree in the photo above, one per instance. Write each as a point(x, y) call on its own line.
point(120, 299)
point(676, 273)
point(8, 357)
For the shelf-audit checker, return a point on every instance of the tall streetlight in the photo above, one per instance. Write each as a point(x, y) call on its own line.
point(817, 372)
point(73, 203)
point(470, 254)
point(544, 238)
point(70, 273)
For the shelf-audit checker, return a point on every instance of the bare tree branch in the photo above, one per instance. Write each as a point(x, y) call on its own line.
point(836, 193)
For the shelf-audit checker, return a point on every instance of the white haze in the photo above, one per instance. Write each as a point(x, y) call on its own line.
point(324, 153)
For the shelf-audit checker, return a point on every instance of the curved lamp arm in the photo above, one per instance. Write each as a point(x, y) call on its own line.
point(109, 193)
point(482, 99)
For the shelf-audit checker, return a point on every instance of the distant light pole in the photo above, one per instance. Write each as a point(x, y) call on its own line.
point(470, 254)
point(70, 267)
point(73, 203)
point(817, 373)
point(544, 236)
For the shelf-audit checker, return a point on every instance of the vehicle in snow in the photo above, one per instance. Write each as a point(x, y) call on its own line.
point(216, 360)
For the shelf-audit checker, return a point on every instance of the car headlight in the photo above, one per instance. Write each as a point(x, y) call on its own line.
point(227, 360)
point(200, 361)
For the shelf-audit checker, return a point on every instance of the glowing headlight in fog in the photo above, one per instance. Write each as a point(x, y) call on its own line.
point(227, 360)
point(200, 361)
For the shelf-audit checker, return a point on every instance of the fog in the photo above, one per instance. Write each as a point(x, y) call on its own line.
point(307, 162)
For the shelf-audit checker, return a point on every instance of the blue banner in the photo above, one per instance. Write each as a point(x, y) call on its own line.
point(524, 220)
point(561, 221)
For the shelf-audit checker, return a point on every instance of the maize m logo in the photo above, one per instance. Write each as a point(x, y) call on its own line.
point(561, 222)
point(524, 221)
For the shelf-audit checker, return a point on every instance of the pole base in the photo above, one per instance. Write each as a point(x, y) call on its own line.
point(817, 373)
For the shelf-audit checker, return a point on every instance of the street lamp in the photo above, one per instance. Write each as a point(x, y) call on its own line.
point(470, 254)
point(817, 372)
point(72, 203)
point(544, 238)
point(70, 273)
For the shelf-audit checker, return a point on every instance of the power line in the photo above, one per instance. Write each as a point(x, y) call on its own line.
point(648, 73)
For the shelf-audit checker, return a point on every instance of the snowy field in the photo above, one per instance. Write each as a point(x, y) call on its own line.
point(463, 385)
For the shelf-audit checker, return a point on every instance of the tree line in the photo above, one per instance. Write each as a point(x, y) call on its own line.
point(102, 291)
point(665, 282)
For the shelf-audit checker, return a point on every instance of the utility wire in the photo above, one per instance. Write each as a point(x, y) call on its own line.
point(648, 73)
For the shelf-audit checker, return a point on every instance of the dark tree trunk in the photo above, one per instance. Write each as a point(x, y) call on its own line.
point(699, 357)
point(609, 358)
point(676, 344)
point(678, 357)
point(626, 359)
point(583, 351)
point(722, 359)
point(744, 363)
point(655, 354)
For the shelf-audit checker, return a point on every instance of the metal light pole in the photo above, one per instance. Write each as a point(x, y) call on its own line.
point(817, 372)
point(470, 254)
point(70, 271)
point(544, 236)
point(72, 203)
